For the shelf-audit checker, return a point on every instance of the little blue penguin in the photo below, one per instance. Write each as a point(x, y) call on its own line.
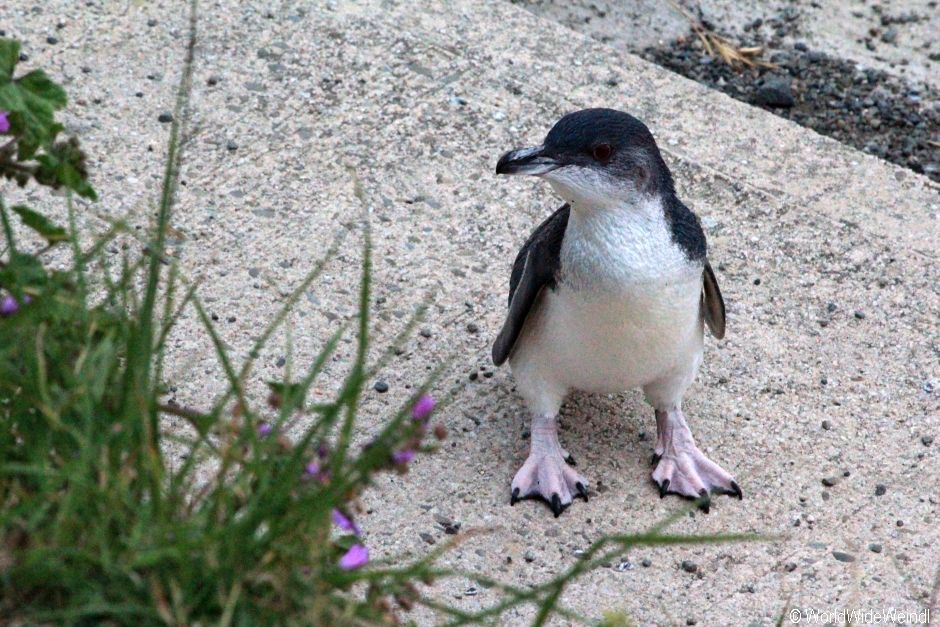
point(611, 292)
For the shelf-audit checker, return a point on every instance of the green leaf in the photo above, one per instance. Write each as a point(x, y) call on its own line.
point(40, 224)
point(34, 98)
point(9, 55)
point(23, 270)
point(71, 178)
point(44, 88)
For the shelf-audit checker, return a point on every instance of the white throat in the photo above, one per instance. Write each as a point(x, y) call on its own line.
point(622, 246)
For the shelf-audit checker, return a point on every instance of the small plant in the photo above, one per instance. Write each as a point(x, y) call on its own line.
point(250, 526)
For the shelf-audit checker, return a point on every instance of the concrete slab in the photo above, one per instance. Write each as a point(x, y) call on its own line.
point(828, 259)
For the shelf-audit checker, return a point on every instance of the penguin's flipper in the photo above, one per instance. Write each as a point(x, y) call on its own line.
point(535, 267)
point(713, 305)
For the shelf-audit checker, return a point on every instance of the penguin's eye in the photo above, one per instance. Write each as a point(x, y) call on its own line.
point(601, 152)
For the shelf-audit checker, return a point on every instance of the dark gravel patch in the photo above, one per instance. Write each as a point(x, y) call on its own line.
point(869, 109)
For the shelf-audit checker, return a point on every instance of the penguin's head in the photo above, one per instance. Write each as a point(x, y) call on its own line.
point(595, 159)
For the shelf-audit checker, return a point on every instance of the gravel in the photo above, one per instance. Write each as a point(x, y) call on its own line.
point(871, 110)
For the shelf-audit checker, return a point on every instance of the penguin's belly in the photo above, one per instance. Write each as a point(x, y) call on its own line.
point(603, 341)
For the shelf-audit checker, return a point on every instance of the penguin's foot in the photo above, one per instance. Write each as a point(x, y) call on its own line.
point(545, 474)
point(681, 468)
point(548, 477)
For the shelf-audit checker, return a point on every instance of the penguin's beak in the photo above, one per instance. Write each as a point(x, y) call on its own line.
point(533, 161)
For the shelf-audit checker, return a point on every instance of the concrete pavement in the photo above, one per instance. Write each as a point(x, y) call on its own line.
point(828, 259)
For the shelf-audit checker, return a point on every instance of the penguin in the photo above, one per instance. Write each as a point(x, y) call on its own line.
point(611, 292)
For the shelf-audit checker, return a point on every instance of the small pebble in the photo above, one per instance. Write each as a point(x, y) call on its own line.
point(231, 146)
point(473, 328)
point(830, 481)
point(646, 563)
point(165, 118)
point(860, 315)
point(874, 548)
point(826, 425)
point(880, 489)
point(52, 40)
point(381, 386)
point(689, 566)
point(927, 440)
point(843, 557)
point(775, 92)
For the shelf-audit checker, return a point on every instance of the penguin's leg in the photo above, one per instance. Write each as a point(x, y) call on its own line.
point(681, 468)
point(545, 474)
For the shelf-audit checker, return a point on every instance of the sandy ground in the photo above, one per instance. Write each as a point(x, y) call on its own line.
point(827, 258)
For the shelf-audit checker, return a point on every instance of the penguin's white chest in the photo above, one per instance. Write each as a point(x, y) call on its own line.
point(625, 313)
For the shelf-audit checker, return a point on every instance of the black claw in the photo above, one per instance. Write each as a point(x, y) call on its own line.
point(655, 459)
point(570, 461)
point(515, 496)
point(556, 505)
point(663, 488)
point(582, 491)
point(736, 491)
point(705, 501)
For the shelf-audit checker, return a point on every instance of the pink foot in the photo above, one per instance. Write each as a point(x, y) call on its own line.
point(681, 468)
point(545, 475)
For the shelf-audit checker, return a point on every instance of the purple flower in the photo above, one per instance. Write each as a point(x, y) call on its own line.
point(4, 122)
point(403, 456)
point(423, 407)
point(345, 523)
point(314, 471)
point(356, 557)
point(8, 306)
point(264, 429)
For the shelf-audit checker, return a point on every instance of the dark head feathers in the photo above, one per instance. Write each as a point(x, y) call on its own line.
point(575, 136)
